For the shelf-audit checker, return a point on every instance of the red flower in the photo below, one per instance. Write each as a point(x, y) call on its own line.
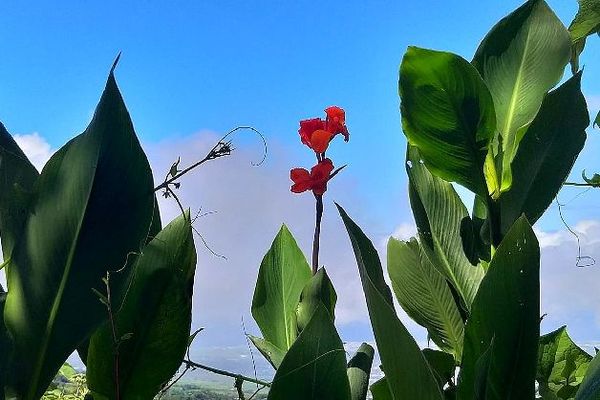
point(336, 121)
point(316, 133)
point(315, 180)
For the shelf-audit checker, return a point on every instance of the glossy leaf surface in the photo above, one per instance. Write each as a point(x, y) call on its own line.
point(448, 114)
point(520, 60)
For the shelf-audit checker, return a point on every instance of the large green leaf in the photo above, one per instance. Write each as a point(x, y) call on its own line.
point(590, 387)
point(380, 390)
point(156, 313)
point(440, 214)
point(92, 208)
point(506, 311)
point(17, 177)
point(282, 276)
point(318, 290)
point(546, 154)
point(448, 113)
point(408, 373)
point(587, 20)
point(520, 59)
point(424, 294)
point(359, 371)
point(561, 365)
point(314, 368)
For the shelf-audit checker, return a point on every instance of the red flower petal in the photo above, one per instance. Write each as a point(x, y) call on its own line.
point(320, 140)
point(336, 114)
point(308, 127)
point(299, 174)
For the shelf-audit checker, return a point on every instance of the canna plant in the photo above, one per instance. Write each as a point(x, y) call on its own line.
point(501, 127)
point(294, 304)
point(89, 266)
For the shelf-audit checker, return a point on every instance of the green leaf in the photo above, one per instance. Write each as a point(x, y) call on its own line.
point(381, 391)
point(314, 368)
point(590, 387)
point(424, 294)
point(155, 318)
point(5, 347)
point(597, 120)
point(561, 365)
point(359, 371)
point(17, 177)
point(439, 214)
point(442, 364)
point(546, 154)
point(282, 276)
point(587, 20)
point(408, 374)
point(520, 59)
point(93, 207)
point(318, 290)
point(448, 113)
point(272, 353)
point(506, 311)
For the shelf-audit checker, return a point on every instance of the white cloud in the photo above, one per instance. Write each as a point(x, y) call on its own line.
point(405, 231)
point(251, 203)
point(36, 148)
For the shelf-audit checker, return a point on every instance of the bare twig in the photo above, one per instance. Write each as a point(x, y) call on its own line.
point(221, 149)
point(218, 371)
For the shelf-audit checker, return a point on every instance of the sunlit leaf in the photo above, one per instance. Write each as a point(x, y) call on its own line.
point(282, 276)
point(520, 59)
point(561, 365)
point(440, 214)
point(590, 387)
point(448, 114)
point(423, 293)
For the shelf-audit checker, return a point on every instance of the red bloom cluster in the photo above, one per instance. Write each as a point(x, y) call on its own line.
point(317, 134)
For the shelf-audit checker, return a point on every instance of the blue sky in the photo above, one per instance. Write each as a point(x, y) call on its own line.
point(192, 69)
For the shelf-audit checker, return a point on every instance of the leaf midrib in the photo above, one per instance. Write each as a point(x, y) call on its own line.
point(511, 111)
